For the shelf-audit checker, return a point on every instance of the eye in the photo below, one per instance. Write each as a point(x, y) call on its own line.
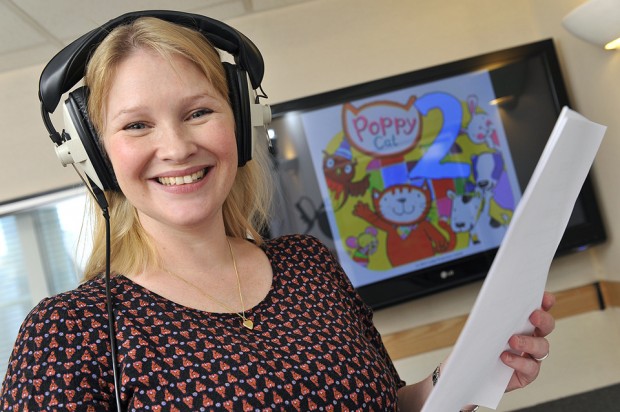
point(199, 113)
point(135, 126)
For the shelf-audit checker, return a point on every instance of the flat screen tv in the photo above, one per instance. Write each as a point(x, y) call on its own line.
point(412, 180)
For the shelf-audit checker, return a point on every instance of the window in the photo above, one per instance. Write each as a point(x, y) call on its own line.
point(43, 245)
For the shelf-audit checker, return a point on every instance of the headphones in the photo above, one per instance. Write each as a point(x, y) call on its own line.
point(78, 143)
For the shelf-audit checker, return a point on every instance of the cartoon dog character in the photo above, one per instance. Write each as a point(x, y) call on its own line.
point(465, 211)
point(471, 213)
point(488, 168)
point(490, 176)
point(401, 212)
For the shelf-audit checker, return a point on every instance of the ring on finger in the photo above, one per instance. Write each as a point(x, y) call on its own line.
point(541, 358)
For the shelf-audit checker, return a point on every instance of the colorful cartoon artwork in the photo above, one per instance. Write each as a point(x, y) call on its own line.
point(339, 170)
point(429, 173)
point(401, 212)
point(481, 128)
point(363, 246)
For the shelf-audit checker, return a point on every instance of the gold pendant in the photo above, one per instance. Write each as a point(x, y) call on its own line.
point(248, 323)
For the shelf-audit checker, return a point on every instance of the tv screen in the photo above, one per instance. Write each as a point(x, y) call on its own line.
point(412, 180)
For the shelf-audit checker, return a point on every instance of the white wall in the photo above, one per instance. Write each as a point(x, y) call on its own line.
point(326, 44)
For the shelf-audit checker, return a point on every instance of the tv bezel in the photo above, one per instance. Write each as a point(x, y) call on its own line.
point(472, 268)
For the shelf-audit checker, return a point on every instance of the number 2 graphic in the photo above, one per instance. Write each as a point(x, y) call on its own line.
point(431, 165)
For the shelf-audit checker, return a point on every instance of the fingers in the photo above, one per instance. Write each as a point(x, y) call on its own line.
point(526, 370)
point(536, 346)
point(543, 322)
point(530, 346)
point(526, 349)
point(548, 301)
point(541, 319)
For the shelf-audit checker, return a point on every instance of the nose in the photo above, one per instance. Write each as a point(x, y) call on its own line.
point(175, 144)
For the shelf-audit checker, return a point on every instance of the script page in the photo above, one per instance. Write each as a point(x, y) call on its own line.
point(514, 286)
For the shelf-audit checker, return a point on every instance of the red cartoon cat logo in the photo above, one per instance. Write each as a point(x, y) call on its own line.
point(401, 212)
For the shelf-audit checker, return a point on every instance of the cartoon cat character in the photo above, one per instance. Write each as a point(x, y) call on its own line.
point(401, 212)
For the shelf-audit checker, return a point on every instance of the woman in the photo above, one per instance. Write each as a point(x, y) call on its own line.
point(208, 314)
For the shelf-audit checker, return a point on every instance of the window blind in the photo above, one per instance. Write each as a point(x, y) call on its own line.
point(48, 232)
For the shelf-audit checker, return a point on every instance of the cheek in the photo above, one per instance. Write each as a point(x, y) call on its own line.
point(226, 144)
point(126, 160)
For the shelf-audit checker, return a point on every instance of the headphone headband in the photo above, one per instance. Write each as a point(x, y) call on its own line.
point(67, 68)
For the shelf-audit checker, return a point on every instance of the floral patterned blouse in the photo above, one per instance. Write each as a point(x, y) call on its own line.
point(313, 347)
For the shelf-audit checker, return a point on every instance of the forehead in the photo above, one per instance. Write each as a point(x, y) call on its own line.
point(148, 73)
point(154, 62)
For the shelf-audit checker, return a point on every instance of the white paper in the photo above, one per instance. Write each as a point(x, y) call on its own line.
point(515, 284)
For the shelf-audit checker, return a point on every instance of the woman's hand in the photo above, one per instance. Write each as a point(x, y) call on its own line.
point(526, 367)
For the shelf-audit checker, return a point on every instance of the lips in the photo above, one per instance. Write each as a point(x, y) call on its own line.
point(184, 179)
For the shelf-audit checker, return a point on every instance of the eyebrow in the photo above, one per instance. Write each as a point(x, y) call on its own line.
point(183, 101)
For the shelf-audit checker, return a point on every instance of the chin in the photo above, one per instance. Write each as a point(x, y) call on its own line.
point(175, 216)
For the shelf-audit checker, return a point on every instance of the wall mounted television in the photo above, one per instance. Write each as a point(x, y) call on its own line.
point(411, 180)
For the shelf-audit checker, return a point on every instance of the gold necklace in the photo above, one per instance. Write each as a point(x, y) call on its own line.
point(246, 322)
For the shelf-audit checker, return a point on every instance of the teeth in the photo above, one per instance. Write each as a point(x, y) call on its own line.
point(181, 180)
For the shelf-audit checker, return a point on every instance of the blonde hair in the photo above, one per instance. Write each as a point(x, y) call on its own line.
point(246, 209)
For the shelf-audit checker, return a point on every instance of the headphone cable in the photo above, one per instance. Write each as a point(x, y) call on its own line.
point(108, 298)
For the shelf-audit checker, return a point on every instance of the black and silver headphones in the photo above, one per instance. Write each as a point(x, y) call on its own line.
point(78, 143)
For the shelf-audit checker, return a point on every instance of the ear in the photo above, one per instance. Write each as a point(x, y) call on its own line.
point(472, 103)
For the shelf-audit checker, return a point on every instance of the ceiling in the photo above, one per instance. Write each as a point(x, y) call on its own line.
point(32, 31)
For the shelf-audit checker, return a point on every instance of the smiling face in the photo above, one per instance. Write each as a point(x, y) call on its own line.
point(170, 138)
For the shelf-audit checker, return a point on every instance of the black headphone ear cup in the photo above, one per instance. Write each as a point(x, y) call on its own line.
point(77, 108)
point(240, 99)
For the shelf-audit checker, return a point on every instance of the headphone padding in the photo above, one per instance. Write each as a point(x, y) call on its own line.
point(78, 111)
point(239, 95)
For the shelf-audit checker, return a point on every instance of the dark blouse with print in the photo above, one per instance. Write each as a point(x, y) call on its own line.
point(313, 347)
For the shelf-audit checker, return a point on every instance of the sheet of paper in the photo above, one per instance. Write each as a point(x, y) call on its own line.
point(515, 283)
